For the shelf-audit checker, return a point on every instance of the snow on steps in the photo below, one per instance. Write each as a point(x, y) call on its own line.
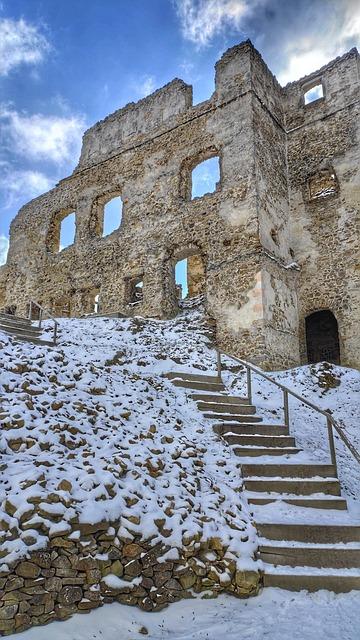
point(296, 555)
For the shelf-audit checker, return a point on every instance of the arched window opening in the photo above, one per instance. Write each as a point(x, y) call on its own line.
point(205, 178)
point(62, 231)
point(323, 184)
point(112, 215)
point(322, 337)
point(313, 93)
point(67, 231)
point(97, 303)
point(135, 290)
point(190, 276)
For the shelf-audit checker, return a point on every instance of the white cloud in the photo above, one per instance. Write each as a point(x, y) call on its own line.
point(20, 43)
point(339, 32)
point(4, 246)
point(19, 186)
point(39, 137)
point(201, 20)
point(145, 86)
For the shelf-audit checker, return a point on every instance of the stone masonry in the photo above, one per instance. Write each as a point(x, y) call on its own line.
point(276, 241)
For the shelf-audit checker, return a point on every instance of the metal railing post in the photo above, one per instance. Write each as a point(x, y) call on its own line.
point(248, 383)
point(331, 443)
point(218, 364)
point(286, 407)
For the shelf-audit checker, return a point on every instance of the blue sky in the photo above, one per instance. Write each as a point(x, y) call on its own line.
point(66, 64)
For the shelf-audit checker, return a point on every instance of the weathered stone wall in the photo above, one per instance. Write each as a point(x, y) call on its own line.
point(72, 576)
point(257, 222)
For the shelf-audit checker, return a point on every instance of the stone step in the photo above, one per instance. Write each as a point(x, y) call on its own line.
point(332, 502)
point(259, 429)
point(213, 407)
point(260, 441)
point(196, 377)
point(215, 397)
point(233, 416)
point(310, 556)
point(298, 487)
point(288, 470)
point(304, 532)
point(297, 582)
point(245, 452)
point(200, 386)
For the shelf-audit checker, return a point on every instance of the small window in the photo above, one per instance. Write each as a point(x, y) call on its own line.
point(67, 231)
point(135, 290)
point(112, 215)
point(314, 93)
point(205, 178)
point(323, 184)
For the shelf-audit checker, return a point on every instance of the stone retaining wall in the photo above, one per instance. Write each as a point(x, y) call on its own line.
point(90, 568)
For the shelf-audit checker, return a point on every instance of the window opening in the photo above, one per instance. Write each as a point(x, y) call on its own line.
point(313, 94)
point(135, 291)
point(205, 177)
point(190, 276)
point(112, 215)
point(67, 231)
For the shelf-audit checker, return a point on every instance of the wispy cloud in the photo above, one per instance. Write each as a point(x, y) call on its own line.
point(340, 31)
point(40, 137)
point(19, 186)
point(4, 247)
point(201, 20)
point(20, 43)
point(144, 86)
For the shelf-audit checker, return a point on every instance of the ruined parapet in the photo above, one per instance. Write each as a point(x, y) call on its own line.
point(135, 122)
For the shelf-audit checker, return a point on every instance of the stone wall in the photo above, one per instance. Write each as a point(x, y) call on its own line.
point(94, 566)
point(270, 145)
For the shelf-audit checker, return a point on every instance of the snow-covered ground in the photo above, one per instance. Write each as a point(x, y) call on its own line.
point(274, 614)
point(97, 413)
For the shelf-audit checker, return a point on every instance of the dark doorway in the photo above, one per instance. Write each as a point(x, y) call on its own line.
point(322, 337)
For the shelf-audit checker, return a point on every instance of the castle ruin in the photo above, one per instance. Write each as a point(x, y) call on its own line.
point(275, 247)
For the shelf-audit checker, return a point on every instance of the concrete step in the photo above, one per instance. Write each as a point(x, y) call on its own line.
point(200, 386)
point(213, 407)
point(197, 377)
point(303, 532)
point(33, 340)
point(245, 452)
point(326, 502)
point(14, 320)
point(19, 330)
point(215, 397)
point(298, 487)
point(233, 416)
point(288, 470)
point(260, 441)
point(310, 556)
point(259, 429)
point(297, 582)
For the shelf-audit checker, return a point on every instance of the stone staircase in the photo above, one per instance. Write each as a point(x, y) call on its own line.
point(22, 329)
point(307, 539)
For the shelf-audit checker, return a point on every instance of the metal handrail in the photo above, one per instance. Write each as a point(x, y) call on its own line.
point(42, 313)
point(331, 422)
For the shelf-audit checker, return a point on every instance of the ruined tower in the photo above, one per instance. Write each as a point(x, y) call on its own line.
point(275, 243)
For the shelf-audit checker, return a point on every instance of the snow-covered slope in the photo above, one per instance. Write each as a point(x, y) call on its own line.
point(92, 431)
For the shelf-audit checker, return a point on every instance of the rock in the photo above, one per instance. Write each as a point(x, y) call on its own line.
point(143, 631)
point(22, 620)
point(173, 585)
point(53, 584)
point(8, 611)
point(69, 595)
point(27, 570)
point(13, 583)
point(187, 579)
point(117, 568)
point(248, 582)
point(132, 550)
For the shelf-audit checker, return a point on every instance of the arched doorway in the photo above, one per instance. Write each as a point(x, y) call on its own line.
point(322, 337)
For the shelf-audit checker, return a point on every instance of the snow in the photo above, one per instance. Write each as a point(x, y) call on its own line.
point(92, 431)
point(275, 614)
